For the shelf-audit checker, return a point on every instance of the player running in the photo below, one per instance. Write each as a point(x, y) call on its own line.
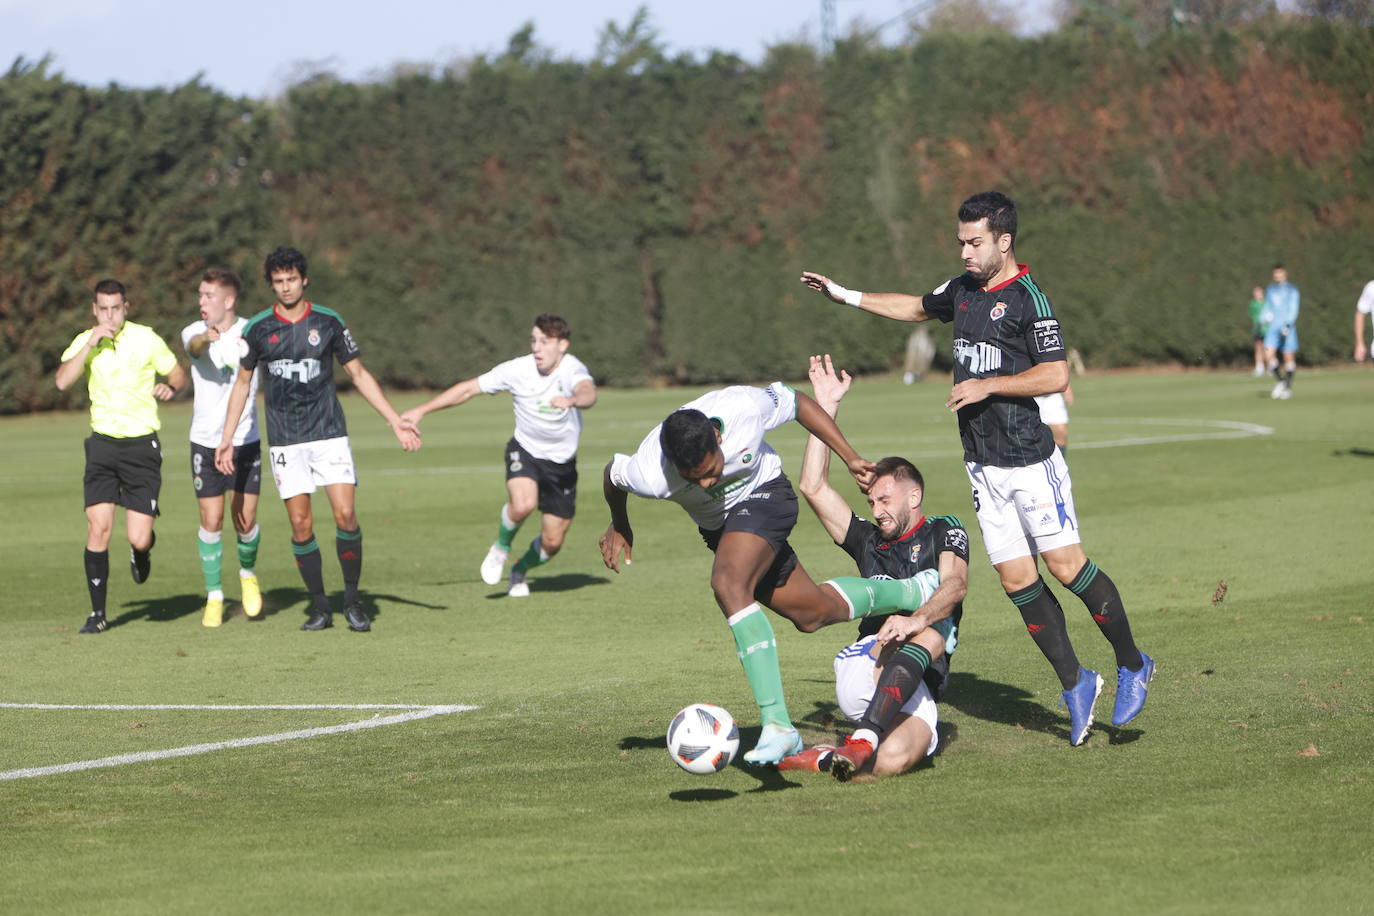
point(298, 341)
point(710, 457)
point(123, 454)
point(213, 345)
point(1008, 347)
point(888, 680)
point(550, 388)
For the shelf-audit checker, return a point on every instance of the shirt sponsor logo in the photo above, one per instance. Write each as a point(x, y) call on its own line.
point(301, 370)
point(348, 341)
point(977, 357)
point(998, 311)
point(1047, 336)
point(957, 539)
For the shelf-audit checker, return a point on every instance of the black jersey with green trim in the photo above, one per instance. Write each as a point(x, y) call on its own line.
point(1004, 330)
point(902, 558)
point(298, 375)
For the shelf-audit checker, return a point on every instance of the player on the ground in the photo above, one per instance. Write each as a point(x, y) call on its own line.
point(213, 345)
point(710, 457)
point(298, 342)
point(1365, 306)
point(550, 388)
point(123, 454)
point(889, 679)
point(1281, 304)
point(1008, 347)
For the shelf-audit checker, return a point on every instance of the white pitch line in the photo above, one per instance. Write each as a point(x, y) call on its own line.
point(127, 707)
point(416, 712)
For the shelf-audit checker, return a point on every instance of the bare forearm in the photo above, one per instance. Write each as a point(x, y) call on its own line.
point(69, 372)
point(616, 500)
point(238, 397)
point(898, 306)
point(941, 604)
point(820, 424)
point(1044, 378)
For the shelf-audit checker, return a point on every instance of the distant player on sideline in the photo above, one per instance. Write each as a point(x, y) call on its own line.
point(123, 454)
point(1258, 327)
point(1365, 306)
point(298, 342)
point(1054, 413)
point(889, 679)
point(550, 388)
point(1281, 304)
point(710, 458)
point(213, 345)
point(1008, 347)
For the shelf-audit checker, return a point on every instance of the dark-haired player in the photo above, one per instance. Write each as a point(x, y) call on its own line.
point(889, 679)
point(710, 457)
point(213, 344)
point(550, 388)
point(297, 343)
point(1008, 348)
point(123, 454)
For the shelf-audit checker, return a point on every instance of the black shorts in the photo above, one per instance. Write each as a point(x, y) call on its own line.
point(771, 513)
point(557, 482)
point(126, 472)
point(209, 482)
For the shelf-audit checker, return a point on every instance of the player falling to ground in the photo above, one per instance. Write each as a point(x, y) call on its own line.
point(1281, 305)
point(889, 679)
point(1364, 306)
point(1008, 348)
point(297, 342)
point(123, 454)
point(710, 457)
point(550, 388)
point(213, 345)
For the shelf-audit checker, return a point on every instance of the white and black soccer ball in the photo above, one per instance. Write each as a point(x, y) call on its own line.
point(703, 739)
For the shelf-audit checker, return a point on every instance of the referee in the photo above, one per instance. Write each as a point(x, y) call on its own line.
point(123, 455)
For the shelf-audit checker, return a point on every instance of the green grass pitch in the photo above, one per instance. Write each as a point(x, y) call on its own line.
point(1245, 786)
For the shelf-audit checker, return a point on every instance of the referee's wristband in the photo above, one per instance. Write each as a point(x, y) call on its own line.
point(847, 296)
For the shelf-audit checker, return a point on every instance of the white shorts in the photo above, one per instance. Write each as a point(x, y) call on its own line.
point(1053, 410)
point(302, 467)
point(1024, 511)
point(856, 677)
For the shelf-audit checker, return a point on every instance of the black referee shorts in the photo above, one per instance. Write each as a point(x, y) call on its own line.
point(126, 472)
point(771, 513)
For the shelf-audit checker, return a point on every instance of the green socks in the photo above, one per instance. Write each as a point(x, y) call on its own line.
point(506, 532)
point(535, 556)
point(248, 549)
point(211, 556)
point(758, 653)
point(883, 596)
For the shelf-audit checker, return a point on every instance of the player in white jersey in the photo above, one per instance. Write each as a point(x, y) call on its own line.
point(1365, 306)
point(550, 388)
point(213, 345)
point(710, 457)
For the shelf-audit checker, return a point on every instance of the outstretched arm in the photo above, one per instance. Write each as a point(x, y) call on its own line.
point(820, 424)
point(407, 433)
point(814, 483)
point(901, 306)
point(450, 397)
point(952, 589)
point(619, 535)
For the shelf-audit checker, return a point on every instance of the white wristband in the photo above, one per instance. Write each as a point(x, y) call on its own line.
point(847, 296)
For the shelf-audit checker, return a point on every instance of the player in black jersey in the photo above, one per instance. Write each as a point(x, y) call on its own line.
point(298, 342)
point(1008, 348)
point(905, 651)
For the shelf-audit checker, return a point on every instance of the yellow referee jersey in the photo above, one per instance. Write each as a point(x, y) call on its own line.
point(122, 372)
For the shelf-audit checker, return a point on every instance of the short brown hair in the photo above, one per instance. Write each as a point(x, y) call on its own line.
point(111, 287)
point(223, 276)
point(553, 326)
point(899, 469)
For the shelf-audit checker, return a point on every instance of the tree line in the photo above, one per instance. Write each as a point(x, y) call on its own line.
point(666, 204)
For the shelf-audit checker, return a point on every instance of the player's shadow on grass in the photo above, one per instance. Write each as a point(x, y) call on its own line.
point(1353, 453)
point(565, 582)
point(996, 702)
point(274, 601)
point(159, 610)
point(770, 780)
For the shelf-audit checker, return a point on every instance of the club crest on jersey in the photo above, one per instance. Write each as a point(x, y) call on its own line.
point(313, 337)
point(998, 311)
point(747, 457)
point(915, 552)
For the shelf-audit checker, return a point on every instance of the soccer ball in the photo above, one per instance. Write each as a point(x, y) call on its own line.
point(703, 739)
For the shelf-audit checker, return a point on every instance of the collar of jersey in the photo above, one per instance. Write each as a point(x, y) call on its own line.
point(309, 307)
point(1022, 270)
point(914, 528)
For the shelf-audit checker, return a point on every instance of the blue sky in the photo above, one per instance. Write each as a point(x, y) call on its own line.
point(256, 47)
